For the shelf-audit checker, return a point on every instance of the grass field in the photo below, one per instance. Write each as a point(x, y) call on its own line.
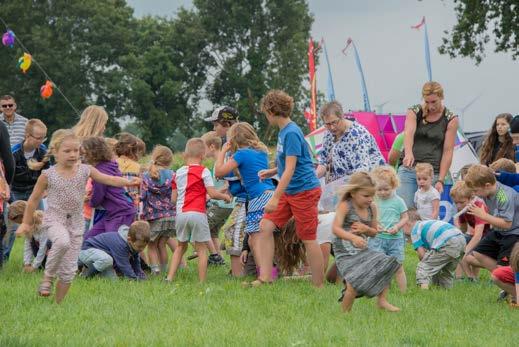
point(222, 313)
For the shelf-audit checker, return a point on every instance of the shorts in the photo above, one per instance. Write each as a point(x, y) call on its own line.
point(497, 245)
point(438, 265)
point(391, 247)
point(324, 228)
point(163, 227)
point(255, 211)
point(504, 274)
point(216, 217)
point(192, 226)
point(233, 230)
point(303, 206)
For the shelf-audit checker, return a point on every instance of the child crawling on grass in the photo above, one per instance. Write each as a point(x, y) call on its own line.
point(364, 272)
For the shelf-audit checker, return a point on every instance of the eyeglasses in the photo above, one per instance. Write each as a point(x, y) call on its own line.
point(332, 123)
point(42, 139)
point(7, 106)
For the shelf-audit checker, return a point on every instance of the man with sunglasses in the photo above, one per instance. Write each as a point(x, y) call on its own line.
point(13, 121)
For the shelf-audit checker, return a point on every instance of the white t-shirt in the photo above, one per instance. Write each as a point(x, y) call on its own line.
point(423, 201)
point(29, 155)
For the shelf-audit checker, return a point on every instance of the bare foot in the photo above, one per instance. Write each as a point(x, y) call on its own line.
point(424, 286)
point(384, 305)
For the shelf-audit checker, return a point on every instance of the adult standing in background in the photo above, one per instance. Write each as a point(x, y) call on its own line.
point(92, 122)
point(13, 121)
point(429, 137)
point(348, 146)
point(498, 143)
point(6, 158)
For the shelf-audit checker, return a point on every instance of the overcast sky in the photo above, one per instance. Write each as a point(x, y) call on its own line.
point(392, 56)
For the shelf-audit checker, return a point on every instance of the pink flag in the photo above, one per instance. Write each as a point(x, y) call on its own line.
point(419, 25)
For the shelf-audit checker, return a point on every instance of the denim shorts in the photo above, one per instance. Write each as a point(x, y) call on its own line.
point(390, 247)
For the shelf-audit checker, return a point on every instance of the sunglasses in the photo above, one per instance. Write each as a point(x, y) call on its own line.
point(7, 106)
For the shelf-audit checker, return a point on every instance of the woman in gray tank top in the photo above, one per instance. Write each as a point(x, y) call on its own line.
point(429, 137)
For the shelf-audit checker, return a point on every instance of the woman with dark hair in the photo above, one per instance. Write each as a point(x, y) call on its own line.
point(498, 143)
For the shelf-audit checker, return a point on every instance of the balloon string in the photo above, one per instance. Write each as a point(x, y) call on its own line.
point(35, 61)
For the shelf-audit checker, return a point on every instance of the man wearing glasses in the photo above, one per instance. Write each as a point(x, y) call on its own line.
point(13, 121)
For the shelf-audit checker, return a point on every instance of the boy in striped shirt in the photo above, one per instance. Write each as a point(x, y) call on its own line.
point(192, 184)
point(439, 246)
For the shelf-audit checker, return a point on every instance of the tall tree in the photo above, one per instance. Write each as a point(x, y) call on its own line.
point(79, 44)
point(476, 21)
point(256, 45)
point(167, 68)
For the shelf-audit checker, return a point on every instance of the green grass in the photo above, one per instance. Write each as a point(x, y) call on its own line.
point(222, 313)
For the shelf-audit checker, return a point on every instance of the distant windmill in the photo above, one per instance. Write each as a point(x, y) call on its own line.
point(380, 107)
point(462, 110)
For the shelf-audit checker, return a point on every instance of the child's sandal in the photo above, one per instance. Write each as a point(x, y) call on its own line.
point(45, 287)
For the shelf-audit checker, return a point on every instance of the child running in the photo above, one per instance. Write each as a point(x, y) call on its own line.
point(191, 185)
point(65, 187)
point(157, 207)
point(393, 216)
point(426, 198)
point(365, 272)
point(297, 193)
point(249, 157)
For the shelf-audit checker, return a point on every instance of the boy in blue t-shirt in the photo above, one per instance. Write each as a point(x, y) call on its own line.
point(298, 190)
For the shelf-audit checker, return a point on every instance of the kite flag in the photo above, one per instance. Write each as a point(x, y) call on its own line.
point(365, 96)
point(330, 95)
point(312, 119)
point(426, 46)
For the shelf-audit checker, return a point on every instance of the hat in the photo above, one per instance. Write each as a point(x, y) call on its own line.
point(223, 113)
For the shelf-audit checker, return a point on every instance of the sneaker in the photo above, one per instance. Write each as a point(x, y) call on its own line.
point(192, 256)
point(502, 296)
point(216, 259)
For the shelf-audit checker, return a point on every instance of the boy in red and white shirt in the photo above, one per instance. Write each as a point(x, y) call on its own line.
point(191, 186)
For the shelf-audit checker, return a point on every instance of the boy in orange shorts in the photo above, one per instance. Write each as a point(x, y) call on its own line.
point(298, 190)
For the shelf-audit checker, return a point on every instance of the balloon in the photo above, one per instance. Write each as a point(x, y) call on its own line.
point(25, 62)
point(8, 38)
point(46, 90)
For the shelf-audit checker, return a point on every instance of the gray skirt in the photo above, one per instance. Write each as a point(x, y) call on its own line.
point(163, 227)
point(368, 272)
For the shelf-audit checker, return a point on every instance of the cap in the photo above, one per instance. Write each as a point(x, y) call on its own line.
point(223, 113)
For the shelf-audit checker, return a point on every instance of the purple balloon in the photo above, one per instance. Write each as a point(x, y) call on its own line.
point(8, 39)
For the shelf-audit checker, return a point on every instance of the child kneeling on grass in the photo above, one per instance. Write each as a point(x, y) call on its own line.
point(507, 277)
point(439, 246)
point(102, 253)
point(365, 272)
point(503, 216)
point(36, 241)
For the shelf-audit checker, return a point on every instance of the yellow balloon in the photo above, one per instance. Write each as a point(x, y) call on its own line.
point(25, 62)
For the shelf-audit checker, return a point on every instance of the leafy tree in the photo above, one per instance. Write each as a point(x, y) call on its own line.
point(167, 68)
point(79, 44)
point(476, 20)
point(255, 45)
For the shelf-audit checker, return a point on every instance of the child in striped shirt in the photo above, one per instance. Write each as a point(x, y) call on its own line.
point(439, 246)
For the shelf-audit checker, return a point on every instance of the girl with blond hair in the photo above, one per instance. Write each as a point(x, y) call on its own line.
point(249, 157)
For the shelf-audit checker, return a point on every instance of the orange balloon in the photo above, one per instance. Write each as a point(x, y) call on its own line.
point(46, 90)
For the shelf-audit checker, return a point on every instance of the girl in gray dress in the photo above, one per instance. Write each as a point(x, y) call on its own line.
point(365, 272)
